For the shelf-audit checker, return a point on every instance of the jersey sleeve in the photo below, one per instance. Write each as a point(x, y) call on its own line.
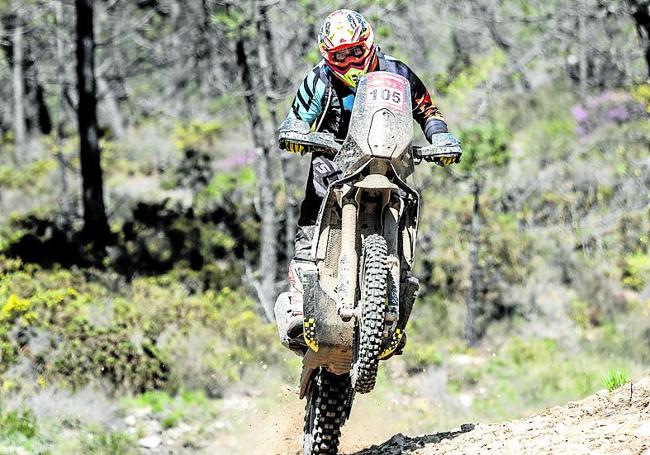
point(425, 112)
point(308, 102)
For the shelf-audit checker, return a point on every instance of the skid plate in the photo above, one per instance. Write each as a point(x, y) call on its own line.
point(323, 326)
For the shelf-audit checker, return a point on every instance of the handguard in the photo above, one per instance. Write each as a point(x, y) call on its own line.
point(298, 132)
point(444, 150)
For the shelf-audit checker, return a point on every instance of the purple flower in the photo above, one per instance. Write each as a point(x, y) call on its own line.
point(579, 113)
point(236, 161)
point(582, 132)
point(606, 97)
point(618, 114)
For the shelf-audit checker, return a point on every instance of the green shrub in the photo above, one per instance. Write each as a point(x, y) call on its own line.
point(196, 133)
point(636, 273)
point(13, 312)
point(89, 353)
point(485, 145)
point(155, 399)
point(18, 423)
point(137, 337)
point(27, 177)
point(171, 410)
point(172, 419)
point(230, 185)
point(525, 373)
point(615, 378)
point(473, 76)
point(108, 443)
point(579, 312)
point(419, 357)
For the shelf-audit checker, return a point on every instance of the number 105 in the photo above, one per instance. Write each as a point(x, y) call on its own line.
point(386, 94)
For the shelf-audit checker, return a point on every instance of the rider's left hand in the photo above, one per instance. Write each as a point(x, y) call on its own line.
point(446, 141)
point(446, 160)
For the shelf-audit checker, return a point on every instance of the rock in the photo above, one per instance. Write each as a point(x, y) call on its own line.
point(150, 442)
point(466, 399)
point(220, 425)
point(151, 427)
point(398, 439)
point(142, 412)
point(643, 432)
point(130, 420)
point(178, 432)
point(173, 434)
point(467, 427)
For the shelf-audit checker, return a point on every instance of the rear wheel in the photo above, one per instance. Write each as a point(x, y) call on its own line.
point(370, 327)
point(328, 406)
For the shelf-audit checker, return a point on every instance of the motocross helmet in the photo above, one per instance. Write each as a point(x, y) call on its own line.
point(347, 45)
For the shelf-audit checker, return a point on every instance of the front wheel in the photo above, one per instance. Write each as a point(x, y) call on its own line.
point(328, 406)
point(370, 327)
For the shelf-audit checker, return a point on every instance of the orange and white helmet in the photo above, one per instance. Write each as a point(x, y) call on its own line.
point(347, 45)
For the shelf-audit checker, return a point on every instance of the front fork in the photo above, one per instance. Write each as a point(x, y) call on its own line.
point(348, 260)
point(348, 266)
point(391, 230)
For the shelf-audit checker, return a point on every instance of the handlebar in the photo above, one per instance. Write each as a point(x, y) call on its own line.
point(444, 149)
point(434, 153)
point(299, 132)
point(313, 141)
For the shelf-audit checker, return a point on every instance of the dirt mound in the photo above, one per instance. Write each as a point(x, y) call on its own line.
point(605, 423)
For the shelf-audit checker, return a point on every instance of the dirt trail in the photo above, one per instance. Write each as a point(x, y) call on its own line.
point(280, 431)
point(605, 423)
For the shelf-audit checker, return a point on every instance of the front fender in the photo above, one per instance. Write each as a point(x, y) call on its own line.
point(377, 182)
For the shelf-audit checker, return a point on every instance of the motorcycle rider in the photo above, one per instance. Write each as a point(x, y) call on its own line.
point(324, 101)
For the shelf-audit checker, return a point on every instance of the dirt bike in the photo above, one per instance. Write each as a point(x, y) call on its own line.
point(358, 290)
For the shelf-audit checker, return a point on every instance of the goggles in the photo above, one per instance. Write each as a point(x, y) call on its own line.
point(344, 57)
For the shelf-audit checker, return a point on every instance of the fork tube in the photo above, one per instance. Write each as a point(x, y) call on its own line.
point(391, 229)
point(348, 260)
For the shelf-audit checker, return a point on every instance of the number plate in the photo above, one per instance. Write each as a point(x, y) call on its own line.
point(387, 91)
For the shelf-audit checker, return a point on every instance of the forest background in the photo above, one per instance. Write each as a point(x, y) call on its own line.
point(146, 216)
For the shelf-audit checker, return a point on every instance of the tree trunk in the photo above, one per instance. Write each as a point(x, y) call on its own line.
point(268, 248)
point(19, 88)
point(471, 331)
point(64, 198)
point(96, 227)
point(582, 61)
point(490, 21)
point(204, 53)
point(271, 81)
point(110, 109)
point(641, 16)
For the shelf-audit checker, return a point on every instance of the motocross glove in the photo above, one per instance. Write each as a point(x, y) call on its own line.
point(292, 147)
point(445, 160)
point(449, 142)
